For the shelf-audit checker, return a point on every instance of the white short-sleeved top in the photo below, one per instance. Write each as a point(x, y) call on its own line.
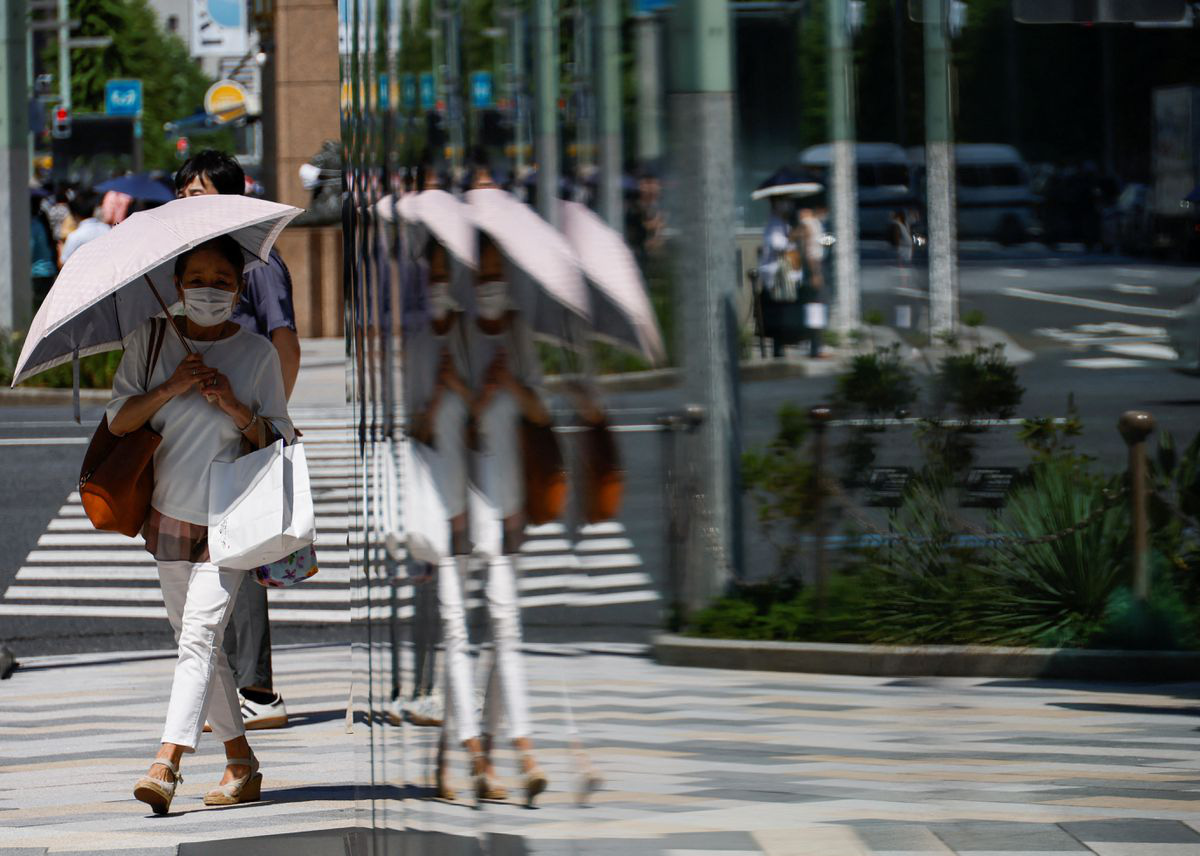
point(195, 433)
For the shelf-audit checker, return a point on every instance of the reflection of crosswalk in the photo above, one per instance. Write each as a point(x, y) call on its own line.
point(76, 571)
point(1114, 344)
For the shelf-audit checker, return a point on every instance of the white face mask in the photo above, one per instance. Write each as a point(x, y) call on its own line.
point(441, 303)
point(491, 299)
point(208, 307)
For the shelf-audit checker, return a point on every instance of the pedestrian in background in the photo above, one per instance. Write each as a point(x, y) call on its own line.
point(264, 307)
point(205, 405)
point(43, 267)
point(89, 225)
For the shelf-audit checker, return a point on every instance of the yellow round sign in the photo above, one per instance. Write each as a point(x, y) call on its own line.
point(226, 100)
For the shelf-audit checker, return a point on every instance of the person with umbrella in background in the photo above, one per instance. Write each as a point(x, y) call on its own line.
point(264, 307)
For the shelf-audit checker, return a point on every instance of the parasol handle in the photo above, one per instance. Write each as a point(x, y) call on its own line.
point(167, 312)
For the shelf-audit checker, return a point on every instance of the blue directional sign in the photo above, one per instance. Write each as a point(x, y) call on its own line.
point(123, 98)
point(481, 89)
point(408, 91)
point(428, 93)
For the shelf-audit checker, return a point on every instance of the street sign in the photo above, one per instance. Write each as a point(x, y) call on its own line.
point(408, 89)
point(649, 7)
point(226, 100)
point(385, 91)
point(428, 96)
point(481, 89)
point(123, 98)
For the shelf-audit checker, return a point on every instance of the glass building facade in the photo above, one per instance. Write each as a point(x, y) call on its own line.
point(906, 281)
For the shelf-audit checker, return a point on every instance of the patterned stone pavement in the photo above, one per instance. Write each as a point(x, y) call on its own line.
point(694, 762)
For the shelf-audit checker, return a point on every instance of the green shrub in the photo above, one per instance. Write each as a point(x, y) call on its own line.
point(95, 372)
point(877, 385)
point(781, 479)
point(786, 612)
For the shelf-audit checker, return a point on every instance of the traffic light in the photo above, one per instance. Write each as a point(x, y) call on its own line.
point(182, 146)
point(62, 124)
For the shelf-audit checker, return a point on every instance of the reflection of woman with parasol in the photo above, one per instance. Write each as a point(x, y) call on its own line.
point(504, 376)
point(204, 403)
point(205, 388)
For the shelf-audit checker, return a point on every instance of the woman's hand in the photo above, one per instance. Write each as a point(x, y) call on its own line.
point(190, 374)
point(217, 391)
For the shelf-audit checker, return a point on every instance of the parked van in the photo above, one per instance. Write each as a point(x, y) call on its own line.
point(994, 199)
point(885, 182)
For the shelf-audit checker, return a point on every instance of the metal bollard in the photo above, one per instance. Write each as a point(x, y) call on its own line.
point(820, 416)
point(678, 488)
point(1135, 426)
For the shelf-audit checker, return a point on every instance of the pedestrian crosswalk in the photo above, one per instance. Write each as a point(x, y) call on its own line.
point(1113, 344)
point(77, 571)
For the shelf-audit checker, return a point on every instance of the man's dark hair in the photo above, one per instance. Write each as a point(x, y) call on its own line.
point(82, 203)
point(222, 244)
point(221, 169)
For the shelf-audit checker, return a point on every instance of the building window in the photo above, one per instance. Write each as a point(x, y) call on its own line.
point(172, 23)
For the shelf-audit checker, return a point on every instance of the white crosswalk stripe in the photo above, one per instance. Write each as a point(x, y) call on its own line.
point(1120, 345)
point(77, 571)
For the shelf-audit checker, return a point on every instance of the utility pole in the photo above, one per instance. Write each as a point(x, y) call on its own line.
point(939, 170)
point(844, 195)
point(453, 86)
point(648, 58)
point(585, 112)
point(64, 54)
point(16, 288)
point(608, 67)
point(546, 90)
point(701, 111)
point(516, 82)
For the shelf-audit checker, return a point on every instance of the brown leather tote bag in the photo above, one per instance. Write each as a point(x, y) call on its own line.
point(545, 474)
point(117, 477)
point(603, 478)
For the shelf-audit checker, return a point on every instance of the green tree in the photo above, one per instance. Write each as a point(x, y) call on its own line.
point(173, 84)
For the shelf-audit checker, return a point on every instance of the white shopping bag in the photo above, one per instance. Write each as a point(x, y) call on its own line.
point(816, 316)
point(260, 507)
point(423, 513)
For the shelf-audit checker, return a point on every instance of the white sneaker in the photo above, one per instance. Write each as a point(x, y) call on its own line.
point(426, 710)
point(257, 716)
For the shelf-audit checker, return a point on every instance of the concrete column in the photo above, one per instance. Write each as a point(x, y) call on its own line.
point(939, 171)
point(16, 289)
point(648, 58)
point(701, 189)
point(608, 68)
point(546, 93)
point(843, 190)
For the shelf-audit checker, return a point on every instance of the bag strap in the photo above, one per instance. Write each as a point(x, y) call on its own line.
point(156, 342)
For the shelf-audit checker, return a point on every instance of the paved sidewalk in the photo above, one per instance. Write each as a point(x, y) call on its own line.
point(695, 762)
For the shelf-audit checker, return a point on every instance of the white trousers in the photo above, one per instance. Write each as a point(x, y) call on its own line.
point(506, 692)
point(499, 469)
point(199, 600)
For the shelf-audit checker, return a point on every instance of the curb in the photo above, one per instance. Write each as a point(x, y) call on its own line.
point(656, 379)
point(945, 661)
point(53, 395)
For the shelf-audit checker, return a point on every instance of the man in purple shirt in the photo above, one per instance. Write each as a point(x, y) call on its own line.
point(265, 307)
